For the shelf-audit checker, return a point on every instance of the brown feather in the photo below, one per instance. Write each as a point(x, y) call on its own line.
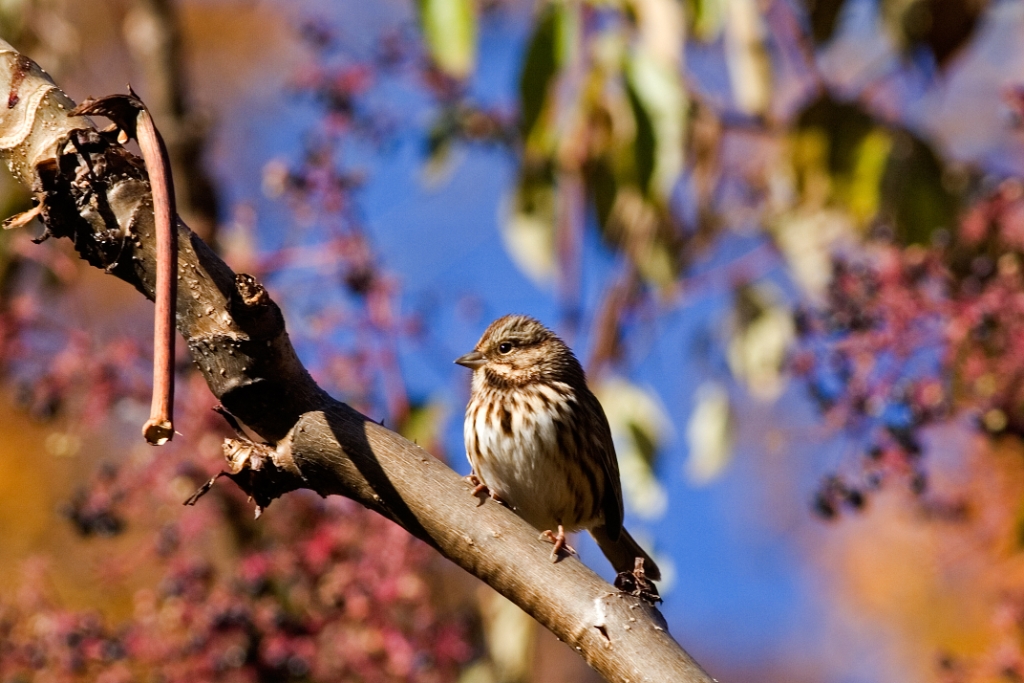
point(538, 438)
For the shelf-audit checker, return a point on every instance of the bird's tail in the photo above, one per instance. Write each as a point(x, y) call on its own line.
point(622, 552)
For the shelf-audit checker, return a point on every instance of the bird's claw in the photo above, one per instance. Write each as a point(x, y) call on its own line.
point(480, 487)
point(637, 584)
point(559, 542)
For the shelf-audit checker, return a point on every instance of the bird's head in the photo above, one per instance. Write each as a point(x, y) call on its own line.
point(517, 349)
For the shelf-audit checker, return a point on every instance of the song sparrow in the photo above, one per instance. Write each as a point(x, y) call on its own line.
point(539, 441)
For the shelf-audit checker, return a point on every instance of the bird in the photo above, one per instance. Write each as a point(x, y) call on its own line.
point(539, 442)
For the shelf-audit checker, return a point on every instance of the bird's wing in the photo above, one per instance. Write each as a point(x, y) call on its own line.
point(611, 505)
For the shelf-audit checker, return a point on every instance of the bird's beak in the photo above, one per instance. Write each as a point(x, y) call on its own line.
point(471, 360)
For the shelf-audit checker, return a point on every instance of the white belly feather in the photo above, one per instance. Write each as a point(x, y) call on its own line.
point(525, 468)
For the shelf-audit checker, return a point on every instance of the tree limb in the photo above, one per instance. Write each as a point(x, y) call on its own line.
point(95, 193)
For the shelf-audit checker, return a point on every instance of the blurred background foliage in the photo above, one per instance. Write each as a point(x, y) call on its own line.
point(784, 236)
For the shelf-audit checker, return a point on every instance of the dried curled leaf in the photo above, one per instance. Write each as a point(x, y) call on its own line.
point(22, 219)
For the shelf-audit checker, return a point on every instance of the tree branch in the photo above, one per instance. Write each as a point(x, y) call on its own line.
point(96, 194)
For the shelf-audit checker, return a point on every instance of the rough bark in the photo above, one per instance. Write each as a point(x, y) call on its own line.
point(96, 194)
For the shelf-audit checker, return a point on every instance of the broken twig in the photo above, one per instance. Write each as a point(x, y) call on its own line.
point(130, 114)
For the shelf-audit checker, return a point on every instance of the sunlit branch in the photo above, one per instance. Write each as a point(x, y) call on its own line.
point(95, 193)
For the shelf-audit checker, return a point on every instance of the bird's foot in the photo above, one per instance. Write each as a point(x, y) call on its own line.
point(481, 488)
point(478, 487)
point(637, 584)
point(559, 542)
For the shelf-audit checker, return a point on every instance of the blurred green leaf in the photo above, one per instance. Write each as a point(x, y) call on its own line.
point(659, 107)
point(844, 126)
point(640, 427)
point(441, 138)
point(940, 26)
point(442, 131)
point(480, 671)
point(423, 424)
point(844, 158)
point(824, 15)
point(540, 67)
point(449, 29)
point(644, 143)
point(602, 189)
point(707, 17)
point(619, 122)
point(641, 229)
point(746, 56)
point(509, 634)
point(646, 448)
point(914, 195)
point(13, 200)
point(5, 262)
point(807, 240)
point(863, 191)
point(762, 335)
point(528, 230)
point(12, 19)
point(709, 434)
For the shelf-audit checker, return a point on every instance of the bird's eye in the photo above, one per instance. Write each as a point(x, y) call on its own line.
point(504, 347)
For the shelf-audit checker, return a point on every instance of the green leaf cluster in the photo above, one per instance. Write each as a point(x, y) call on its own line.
point(603, 112)
point(879, 174)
